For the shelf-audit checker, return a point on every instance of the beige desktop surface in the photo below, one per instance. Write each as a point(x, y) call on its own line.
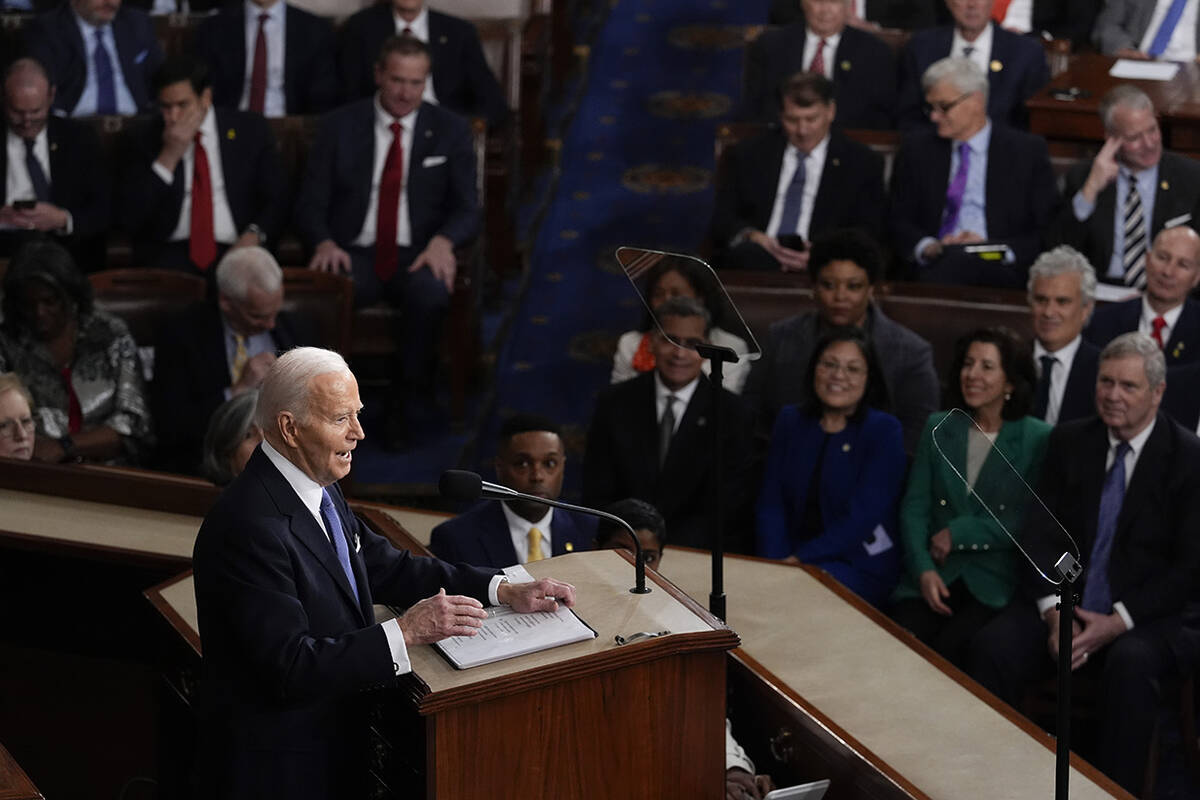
point(419, 524)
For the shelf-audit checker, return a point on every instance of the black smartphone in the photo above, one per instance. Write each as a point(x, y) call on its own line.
point(792, 241)
point(24, 205)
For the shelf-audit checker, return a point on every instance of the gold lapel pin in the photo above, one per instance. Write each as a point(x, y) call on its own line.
point(1165, 186)
point(846, 447)
point(230, 134)
point(568, 547)
point(996, 66)
point(845, 66)
point(837, 162)
point(53, 146)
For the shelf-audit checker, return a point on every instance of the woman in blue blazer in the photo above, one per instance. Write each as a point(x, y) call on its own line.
point(834, 472)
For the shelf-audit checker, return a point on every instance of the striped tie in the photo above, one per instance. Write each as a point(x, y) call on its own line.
point(1135, 239)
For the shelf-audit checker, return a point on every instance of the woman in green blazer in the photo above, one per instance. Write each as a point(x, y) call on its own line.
point(960, 567)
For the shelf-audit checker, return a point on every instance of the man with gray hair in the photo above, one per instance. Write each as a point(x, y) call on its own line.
point(214, 351)
point(1062, 294)
point(968, 183)
point(1129, 192)
point(286, 578)
point(1125, 486)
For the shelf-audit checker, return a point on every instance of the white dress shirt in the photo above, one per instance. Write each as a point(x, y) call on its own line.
point(383, 143)
point(982, 52)
point(1058, 376)
point(87, 99)
point(814, 165)
point(518, 528)
point(1182, 44)
point(1146, 322)
point(224, 230)
point(827, 55)
point(419, 28)
point(683, 396)
point(1019, 16)
point(275, 32)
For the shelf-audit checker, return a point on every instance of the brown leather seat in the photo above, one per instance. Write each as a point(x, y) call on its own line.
point(145, 297)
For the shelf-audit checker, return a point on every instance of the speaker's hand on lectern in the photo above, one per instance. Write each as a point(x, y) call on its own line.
point(441, 616)
point(540, 595)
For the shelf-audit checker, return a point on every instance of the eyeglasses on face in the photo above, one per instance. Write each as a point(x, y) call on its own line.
point(944, 108)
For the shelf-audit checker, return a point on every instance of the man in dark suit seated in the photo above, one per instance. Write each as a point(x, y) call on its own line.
point(286, 577)
point(215, 351)
point(531, 459)
point(1062, 294)
point(1015, 65)
point(650, 438)
point(388, 193)
point(460, 78)
point(1164, 312)
point(789, 185)
point(52, 176)
point(869, 15)
point(1126, 487)
point(197, 180)
point(966, 183)
point(845, 267)
point(859, 64)
point(100, 56)
point(270, 57)
point(1103, 217)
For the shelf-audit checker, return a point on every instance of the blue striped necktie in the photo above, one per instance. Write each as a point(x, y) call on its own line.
point(333, 523)
point(1163, 37)
point(793, 199)
point(106, 89)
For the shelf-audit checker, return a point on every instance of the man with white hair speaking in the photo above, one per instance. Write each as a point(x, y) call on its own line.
point(286, 577)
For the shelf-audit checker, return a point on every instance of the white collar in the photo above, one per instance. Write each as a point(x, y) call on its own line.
point(518, 523)
point(817, 152)
point(1171, 316)
point(274, 12)
point(1137, 442)
point(683, 394)
point(308, 490)
point(831, 41)
point(419, 26)
point(384, 120)
point(1064, 354)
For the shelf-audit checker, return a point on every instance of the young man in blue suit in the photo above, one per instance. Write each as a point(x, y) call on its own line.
point(531, 459)
point(286, 577)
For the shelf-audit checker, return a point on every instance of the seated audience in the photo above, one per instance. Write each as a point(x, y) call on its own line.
point(650, 437)
point(1164, 312)
point(100, 56)
point(969, 182)
point(845, 268)
point(647, 523)
point(1013, 65)
point(1100, 205)
point(16, 418)
point(960, 564)
point(270, 57)
point(859, 65)
point(197, 180)
point(1062, 293)
point(213, 352)
point(865, 14)
point(1147, 30)
point(680, 278)
point(80, 363)
point(54, 180)
point(459, 76)
point(1126, 486)
point(231, 438)
point(835, 470)
point(531, 459)
point(777, 191)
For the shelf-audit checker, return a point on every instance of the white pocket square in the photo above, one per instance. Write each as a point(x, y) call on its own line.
point(140, 57)
point(433, 161)
point(1182, 219)
point(880, 544)
point(357, 543)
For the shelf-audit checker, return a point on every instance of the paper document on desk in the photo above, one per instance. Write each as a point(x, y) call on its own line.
point(507, 634)
point(1144, 70)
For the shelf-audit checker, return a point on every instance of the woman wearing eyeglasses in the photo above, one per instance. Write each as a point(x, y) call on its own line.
point(16, 418)
point(834, 472)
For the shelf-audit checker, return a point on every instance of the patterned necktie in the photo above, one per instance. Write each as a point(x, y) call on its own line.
point(106, 89)
point(240, 357)
point(535, 546)
point(956, 191)
point(337, 537)
point(1042, 402)
point(390, 182)
point(37, 176)
point(793, 198)
point(1158, 323)
point(1134, 257)
point(258, 75)
point(1163, 37)
point(666, 429)
point(1097, 595)
point(817, 64)
point(202, 244)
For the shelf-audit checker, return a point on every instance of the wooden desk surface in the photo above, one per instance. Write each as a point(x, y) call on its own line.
point(14, 783)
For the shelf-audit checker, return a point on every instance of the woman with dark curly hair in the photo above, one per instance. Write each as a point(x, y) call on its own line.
point(79, 363)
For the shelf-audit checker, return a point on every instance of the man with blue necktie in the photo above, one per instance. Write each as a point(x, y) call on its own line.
point(1125, 486)
point(1164, 30)
point(100, 56)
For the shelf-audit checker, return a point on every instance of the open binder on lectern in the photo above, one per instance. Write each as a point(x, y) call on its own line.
point(508, 634)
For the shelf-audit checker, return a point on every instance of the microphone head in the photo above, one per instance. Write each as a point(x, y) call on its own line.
point(459, 484)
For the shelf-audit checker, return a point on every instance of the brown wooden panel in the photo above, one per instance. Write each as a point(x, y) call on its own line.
point(14, 783)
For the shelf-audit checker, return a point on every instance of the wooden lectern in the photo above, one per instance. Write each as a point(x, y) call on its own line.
point(586, 720)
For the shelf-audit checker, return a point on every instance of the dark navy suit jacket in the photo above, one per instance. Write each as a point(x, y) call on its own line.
point(53, 38)
point(1079, 396)
point(480, 536)
point(1109, 322)
point(1182, 398)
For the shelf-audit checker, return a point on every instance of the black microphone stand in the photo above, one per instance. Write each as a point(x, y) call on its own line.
point(717, 356)
point(1068, 569)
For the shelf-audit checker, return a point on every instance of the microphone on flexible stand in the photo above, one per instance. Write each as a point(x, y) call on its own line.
point(458, 484)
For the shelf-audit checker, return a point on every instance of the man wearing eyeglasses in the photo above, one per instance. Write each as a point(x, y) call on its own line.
point(970, 199)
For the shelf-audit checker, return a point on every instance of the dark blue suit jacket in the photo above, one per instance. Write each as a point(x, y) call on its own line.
point(309, 71)
point(441, 177)
point(1109, 322)
point(286, 643)
point(1018, 70)
point(53, 39)
point(1079, 397)
point(480, 536)
point(1182, 398)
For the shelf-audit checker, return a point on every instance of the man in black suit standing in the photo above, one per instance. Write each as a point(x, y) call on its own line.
point(650, 438)
point(460, 78)
point(1130, 191)
point(1164, 312)
point(1126, 486)
point(969, 182)
point(859, 64)
point(286, 577)
point(1062, 294)
point(52, 176)
point(532, 460)
point(100, 56)
point(800, 181)
point(270, 57)
point(197, 180)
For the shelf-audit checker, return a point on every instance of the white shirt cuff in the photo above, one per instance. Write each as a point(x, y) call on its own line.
point(920, 248)
point(493, 588)
point(1046, 603)
point(735, 755)
point(162, 172)
point(1123, 613)
point(69, 228)
point(1081, 207)
point(395, 639)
